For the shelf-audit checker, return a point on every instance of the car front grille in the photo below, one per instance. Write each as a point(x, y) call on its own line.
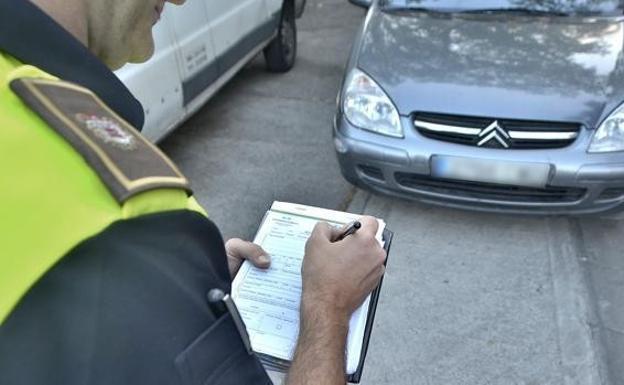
point(478, 190)
point(372, 172)
point(611, 194)
point(496, 133)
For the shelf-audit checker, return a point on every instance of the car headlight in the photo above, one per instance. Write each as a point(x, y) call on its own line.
point(609, 137)
point(368, 107)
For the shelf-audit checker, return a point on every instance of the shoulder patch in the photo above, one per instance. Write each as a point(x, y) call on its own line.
point(126, 162)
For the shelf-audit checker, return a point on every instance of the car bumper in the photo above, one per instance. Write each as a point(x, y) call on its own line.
point(578, 182)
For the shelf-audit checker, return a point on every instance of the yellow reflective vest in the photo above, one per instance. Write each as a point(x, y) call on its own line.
point(51, 198)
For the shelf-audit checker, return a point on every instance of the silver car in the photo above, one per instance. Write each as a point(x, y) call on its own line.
point(511, 106)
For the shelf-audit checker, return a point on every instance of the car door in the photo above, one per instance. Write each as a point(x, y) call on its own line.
point(274, 13)
point(235, 24)
point(253, 20)
point(274, 7)
point(156, 83)
point(196, 54)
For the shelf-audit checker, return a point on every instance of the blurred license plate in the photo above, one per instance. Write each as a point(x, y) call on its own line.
point(490, 171)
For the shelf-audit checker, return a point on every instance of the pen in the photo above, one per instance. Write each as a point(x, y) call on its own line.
point(351, 229)
point(221, 303)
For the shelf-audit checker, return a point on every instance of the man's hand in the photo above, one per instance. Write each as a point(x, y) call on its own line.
point(340, 275)
point(238, 250)
point(337, 277)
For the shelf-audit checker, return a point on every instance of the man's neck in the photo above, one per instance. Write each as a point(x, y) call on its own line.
point(70, 14)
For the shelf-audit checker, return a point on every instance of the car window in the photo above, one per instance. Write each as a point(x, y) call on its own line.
point(575, 7)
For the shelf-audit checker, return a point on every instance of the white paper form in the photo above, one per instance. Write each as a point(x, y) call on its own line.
point(268, 300)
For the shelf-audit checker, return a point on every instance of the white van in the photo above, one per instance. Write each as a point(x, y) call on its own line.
point(200, 46)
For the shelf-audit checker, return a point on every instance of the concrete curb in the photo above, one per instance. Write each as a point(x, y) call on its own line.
point(359, 202)
point(580, 342)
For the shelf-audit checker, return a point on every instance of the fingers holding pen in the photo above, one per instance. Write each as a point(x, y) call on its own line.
point(365, 239)
point(323, 231)
point(342, 273)
point(356, 236)
point(370, 225)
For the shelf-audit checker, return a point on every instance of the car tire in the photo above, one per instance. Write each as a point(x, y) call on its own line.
point(281, 53)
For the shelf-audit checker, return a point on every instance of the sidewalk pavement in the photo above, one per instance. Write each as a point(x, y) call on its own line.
point(604, 262)
point(475, 299)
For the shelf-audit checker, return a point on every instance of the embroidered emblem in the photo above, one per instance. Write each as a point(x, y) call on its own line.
point(126, 163)
point(108, 131)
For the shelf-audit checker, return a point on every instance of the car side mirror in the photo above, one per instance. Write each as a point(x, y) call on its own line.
point(362, 3)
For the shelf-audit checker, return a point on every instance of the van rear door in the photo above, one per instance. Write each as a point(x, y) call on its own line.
point(196, 55)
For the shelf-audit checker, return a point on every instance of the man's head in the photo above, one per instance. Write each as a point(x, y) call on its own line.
point(120, 31)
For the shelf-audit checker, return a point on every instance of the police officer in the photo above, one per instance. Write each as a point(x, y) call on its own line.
point(105, 257)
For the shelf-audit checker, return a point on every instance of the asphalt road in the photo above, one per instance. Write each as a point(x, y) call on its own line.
point(267, 137)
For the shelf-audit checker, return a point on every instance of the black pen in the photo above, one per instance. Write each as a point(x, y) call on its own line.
point(351, 229)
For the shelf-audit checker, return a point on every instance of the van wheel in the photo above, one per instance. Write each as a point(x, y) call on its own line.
point(280, 54)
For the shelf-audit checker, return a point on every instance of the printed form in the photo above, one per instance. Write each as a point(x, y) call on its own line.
point(268, 300)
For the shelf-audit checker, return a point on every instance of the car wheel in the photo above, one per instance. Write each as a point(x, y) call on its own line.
point(280, 54)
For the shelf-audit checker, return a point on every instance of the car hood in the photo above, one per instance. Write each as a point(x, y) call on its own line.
point(554, 69)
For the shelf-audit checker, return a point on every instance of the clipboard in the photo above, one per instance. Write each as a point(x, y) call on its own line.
point(277, 361)
point(356, 377)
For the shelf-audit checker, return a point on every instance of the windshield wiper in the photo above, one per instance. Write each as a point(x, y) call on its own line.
point(413, 9)
point(525, 11)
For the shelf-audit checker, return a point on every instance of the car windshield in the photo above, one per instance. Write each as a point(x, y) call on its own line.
point(557, 7)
